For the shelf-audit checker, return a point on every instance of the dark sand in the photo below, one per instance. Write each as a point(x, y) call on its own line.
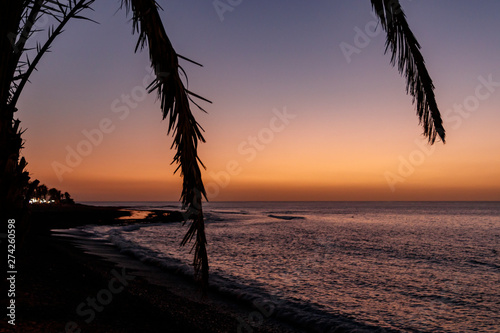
point(56, 274)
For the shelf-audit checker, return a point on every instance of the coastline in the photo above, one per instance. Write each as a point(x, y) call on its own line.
point(65, 287)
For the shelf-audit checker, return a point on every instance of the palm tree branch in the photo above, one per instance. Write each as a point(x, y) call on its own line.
point(11, 15)
point(28, 25)
point(191, 61)
point(405, 52)
point(75, 9)
point(181, 122)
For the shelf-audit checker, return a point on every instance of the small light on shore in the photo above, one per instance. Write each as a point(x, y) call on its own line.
point(40, 201)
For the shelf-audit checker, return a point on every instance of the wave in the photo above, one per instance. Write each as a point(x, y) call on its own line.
point(286, 217)
point(135, 227)
point(250, 292)
point(487, 264)
point(288, 212)
point(239, 212)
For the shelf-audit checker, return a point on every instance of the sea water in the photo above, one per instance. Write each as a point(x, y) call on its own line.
point(402, 266)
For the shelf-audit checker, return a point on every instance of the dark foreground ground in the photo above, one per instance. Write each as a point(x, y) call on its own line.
point(55, 277)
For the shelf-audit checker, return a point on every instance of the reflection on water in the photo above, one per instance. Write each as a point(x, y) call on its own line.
point(135, 214)
point(412, 267)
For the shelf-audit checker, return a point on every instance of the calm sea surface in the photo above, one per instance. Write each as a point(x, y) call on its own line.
point(405, 266)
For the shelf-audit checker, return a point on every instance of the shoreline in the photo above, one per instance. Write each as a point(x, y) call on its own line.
point(64, 285)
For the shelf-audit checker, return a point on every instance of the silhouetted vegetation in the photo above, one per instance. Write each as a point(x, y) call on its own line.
point(43, 195)
point(17, 62)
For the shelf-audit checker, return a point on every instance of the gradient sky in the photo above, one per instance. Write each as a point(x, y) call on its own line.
point(354, 133)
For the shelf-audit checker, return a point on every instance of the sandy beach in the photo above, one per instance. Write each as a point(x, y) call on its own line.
point(65, 285)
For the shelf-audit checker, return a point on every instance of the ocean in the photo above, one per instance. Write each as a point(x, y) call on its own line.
point(393, 266)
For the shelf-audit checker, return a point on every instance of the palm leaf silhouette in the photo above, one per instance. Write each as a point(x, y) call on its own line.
point(175, 106)
point(405, 51)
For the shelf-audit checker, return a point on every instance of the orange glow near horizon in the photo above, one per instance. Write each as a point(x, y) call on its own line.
point(342, 174)
point(294, 165)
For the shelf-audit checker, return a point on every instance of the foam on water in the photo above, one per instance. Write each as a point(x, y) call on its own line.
point(400, 266)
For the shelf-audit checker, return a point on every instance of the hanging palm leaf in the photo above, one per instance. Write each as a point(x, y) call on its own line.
point(175, 105)
point(405, 51)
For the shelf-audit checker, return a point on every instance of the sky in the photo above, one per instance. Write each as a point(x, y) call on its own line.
point(306, 105)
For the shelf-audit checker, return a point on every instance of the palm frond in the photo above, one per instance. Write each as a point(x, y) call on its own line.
point(175, 106)
point(405, 52)
point(63, 13)
point(11, 14)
